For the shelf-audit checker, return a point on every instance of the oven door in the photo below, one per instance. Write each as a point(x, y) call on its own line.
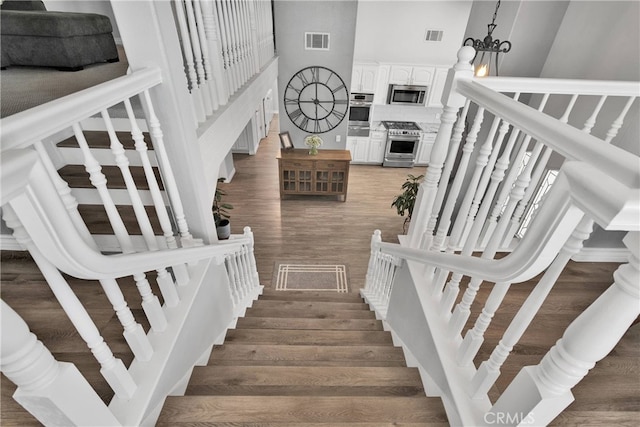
point(359, 113)
point(401, 151)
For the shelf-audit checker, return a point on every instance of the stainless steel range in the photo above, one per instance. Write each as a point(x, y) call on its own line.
point(402, 144)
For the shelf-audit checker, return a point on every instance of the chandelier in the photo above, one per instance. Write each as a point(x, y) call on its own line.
point(488, 49)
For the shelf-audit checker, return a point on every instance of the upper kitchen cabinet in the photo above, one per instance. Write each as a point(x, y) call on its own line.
point(364, 78)
point(439, 80)
point(410, 75)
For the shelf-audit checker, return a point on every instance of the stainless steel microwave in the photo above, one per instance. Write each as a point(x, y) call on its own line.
point(407, 95)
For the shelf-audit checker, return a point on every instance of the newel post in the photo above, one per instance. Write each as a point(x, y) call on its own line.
point(539, 393)
point(452, 102)
point(54, 392)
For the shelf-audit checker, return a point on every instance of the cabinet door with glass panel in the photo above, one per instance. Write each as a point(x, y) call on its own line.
point(297, 177)
point(330, 177)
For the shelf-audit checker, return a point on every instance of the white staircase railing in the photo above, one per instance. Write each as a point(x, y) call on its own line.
point(38, 205)
point(224, 43)
point(597, 183)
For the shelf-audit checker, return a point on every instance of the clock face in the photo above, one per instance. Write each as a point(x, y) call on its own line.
point(316, 99)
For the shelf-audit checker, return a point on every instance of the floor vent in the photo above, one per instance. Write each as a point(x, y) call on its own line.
point(316, 41)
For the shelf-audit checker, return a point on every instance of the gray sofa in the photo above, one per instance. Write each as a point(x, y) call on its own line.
point(32, 36)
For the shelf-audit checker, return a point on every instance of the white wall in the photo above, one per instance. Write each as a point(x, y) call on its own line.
point(393, 31)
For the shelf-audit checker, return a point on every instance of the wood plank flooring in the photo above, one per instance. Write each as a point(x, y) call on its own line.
point(323, 229)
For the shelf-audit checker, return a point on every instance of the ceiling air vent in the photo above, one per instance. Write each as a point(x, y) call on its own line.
point(433, 35)
point(316, 41)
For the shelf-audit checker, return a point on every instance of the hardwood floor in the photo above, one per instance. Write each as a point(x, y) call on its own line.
point(324, 229)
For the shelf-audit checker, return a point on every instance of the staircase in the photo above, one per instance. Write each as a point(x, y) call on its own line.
point(303, 358)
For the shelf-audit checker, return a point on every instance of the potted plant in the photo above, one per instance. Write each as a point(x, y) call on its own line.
point(405, 201)
point(221, 213)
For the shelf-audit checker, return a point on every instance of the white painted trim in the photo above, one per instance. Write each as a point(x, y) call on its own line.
point(9, 243)
point(602, 255)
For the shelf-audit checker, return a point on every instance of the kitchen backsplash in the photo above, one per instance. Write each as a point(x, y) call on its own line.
point(405, 113)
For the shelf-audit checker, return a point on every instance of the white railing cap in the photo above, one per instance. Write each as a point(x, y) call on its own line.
point(24, 128)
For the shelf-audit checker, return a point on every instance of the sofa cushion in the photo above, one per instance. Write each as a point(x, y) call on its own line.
point(53, 24)
point(22, 5)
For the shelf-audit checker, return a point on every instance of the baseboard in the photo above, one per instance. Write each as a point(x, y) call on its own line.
point(602, 255)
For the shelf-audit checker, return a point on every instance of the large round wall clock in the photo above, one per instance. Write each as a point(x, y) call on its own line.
point(316, 99)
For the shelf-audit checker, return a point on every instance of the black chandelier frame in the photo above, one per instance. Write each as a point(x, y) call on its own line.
point(488, 45)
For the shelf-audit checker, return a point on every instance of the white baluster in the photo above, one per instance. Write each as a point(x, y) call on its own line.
point(231, 45)
point(544, 390)
point(463, 309)
point(455, 237)
point(112, 369)
point(44, 384)
point(509, 181)
point(254, 36)
point(198, 53)
point(454, 192)
point(489, 370)
point(517, 216)
point(481, 189)
point(170, 183)
point(251, 258)
point(164, 280)
point(456, 138)
point(211, 29)
point(203, 28)
point(187, 51)
point(232, 280)
point(591, 121)
point(133, 331)
point(617, 124)
point(375, 239)
point(226, 52)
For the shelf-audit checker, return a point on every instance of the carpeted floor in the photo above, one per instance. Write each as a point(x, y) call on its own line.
point(22, 88)
point(289, 276)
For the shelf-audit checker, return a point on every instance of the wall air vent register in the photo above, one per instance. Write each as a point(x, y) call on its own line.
point(433, 35)
point(316, 41)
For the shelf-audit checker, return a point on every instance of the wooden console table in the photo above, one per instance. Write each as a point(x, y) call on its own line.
point(326, 173)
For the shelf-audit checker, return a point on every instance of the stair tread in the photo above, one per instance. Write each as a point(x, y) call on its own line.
point(100, 139)
point(311, 375)
point(297, 424)
point(97, 220)
point(77, 177)
point(324, 313)
point(271, 294)
point(301, 409)
point(310, 324)
point(311, 305)
point(308, 337)
point(269, 354)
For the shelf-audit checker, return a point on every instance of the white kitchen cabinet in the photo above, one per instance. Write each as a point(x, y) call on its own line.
point(359, 147)
point(382, 87)
point(377, 145)
point(435, 93)
point(424, 150)
point(410, 75)
point(364, 78)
